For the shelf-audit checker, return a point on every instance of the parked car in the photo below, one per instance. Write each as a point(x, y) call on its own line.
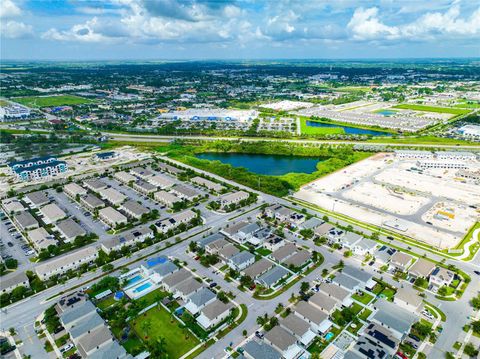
point(10, 244)
point(213, 285)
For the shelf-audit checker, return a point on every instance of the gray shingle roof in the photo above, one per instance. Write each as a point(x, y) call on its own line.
point(273, 276)
point(201, 297)
point(261, 350)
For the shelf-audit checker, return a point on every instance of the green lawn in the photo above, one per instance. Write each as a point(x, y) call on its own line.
point(105, 303)
point(309, 130)
point(364, 298)
point(263, 251)
point(356, 308)
point(453, 111)
point(46, 101)
point(467, 105)
point(178, 341)
point(365, 314)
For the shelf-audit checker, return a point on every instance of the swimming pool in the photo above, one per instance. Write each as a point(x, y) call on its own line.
point(134, 280)
point(329, 336)
point(143, 287)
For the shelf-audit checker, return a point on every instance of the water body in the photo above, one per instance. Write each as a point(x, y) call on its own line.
point(273, 165)
point(387, 113)
point(349, 130)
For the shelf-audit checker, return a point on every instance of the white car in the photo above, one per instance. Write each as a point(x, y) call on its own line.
point(66, 348)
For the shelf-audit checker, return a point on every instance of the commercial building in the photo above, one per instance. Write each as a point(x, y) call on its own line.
point(112, 217)
point(455, 156)
point(141, 172)
point(446, 164)
point(62, 264)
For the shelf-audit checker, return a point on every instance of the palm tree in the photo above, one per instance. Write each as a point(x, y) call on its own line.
point(146, 326)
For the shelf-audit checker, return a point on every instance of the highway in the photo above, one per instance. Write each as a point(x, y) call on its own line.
point(163, 138)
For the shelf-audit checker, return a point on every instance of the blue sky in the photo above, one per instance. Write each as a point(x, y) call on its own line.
point(236, 29)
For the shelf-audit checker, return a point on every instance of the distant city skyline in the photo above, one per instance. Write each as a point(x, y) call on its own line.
point(229, 29)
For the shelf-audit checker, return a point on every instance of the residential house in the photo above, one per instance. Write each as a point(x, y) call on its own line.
point(274, 242)
point(401, 261)
point(91, 202)
point(124, 177)
point(210, 185)
point(233, 198)
point(441, 277)
point(215, 246)
point(260, 350)
point(322, 230)
point(25, 221)
point(393, 317)
point(209, 239)
point(185, 192)
point(365, 278)
point(163, 226)
point(111, 217)
point(258, 268)
point(336, 292)
point(12, 281)
point(323, 302)
point(52, 213)
point(161, 181)
point(144, 187)
point(112, 196)
point(318, 320)
point(284, 252)
point(70, 230)
point(347, 282)
point(228, 252)
point(73, 190)
point(133, 209)
point(241, 260)
point(298, 259)
point(197, 301)
point(166, 198)
point(141, 172)
point(36, 199)
point(126, 239)
point(158, 268)
point(299, 328)
point(214, 313)
point(408, 299)
point(95, 184)
point(69, 261)
point(422, 268)
point(171, 280)
point(41, 239)
point(285, 342)
point(186, 288)
point(272, 276)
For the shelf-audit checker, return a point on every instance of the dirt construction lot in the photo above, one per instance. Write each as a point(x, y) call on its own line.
point(431, 206)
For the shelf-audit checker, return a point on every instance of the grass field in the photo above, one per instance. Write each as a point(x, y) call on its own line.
point(178, 341)
point(426, 140)
point(307, 130)
point(467, 105)
point(46, 101)
point(3, 103)
point(453, 111)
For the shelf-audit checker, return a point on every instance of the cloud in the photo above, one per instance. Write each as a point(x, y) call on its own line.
point(15, 29)
point(365, 25)
point(9, 9)
point(90, 31)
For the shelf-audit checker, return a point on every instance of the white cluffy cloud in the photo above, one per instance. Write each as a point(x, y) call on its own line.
point(366, 24)
point(10, 28)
